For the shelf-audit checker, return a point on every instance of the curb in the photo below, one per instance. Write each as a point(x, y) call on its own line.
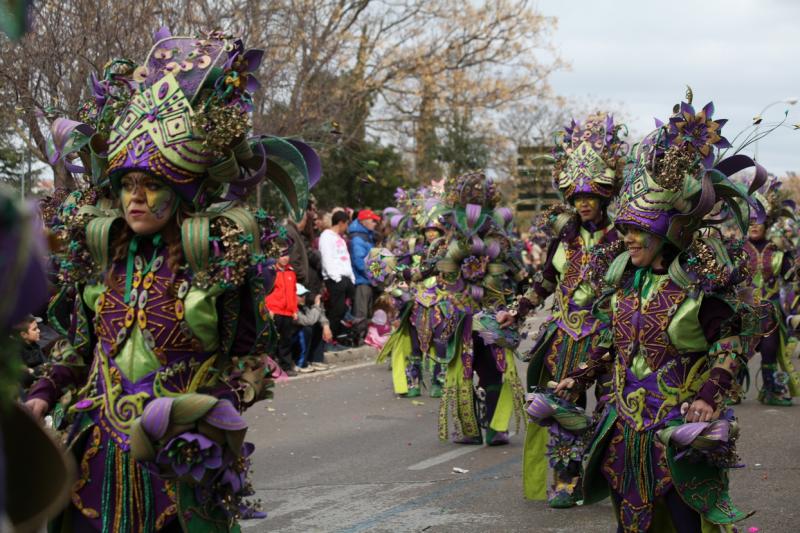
point(351, 355)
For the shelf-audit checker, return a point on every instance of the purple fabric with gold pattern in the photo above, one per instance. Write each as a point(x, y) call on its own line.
point(577, 260)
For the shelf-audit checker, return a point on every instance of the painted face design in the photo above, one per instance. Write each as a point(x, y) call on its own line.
point(588, 207)
point(158, 197)
point(644, 247)
point(146, 202)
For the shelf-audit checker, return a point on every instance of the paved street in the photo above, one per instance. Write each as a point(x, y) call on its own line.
point(338, 452)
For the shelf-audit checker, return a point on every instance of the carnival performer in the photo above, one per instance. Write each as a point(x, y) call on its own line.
point(589, 158)
point(421, 243)
point(480, 271)
point(769, 266)
point(677, 335)
point(163, 278)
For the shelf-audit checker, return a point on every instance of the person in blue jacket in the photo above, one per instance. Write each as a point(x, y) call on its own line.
point(362, 239)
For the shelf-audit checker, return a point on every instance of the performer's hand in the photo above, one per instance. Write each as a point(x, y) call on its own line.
point(327, 334)
point(38, 407)
point(699, 411)
point(505, 319)
point(564, 388)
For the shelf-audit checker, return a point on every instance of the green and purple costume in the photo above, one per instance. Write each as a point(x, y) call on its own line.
point(168, 336)
point(587, 157)
point(677, 334)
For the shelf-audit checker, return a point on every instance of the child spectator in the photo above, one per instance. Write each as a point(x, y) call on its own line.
point(315, 331)
point(282, 306)
point(32, 354)
point(381, 324)
point(379, 330)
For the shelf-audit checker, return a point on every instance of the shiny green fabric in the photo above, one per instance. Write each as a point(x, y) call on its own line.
point(91, 293)
point(201, 314)
point(775, 267)
point(583, 294)
point(135, 360)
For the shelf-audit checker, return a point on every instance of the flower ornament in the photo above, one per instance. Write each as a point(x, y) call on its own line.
point(380, 265)
point(473, 268)
point(697, 131)
point(239, 71)
point(228, 489)
point(190, 454)
point(190, 437)
point(563, 447)
point(713, 442)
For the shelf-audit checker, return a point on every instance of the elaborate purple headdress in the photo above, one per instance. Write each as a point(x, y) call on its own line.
point(588, 157)
point(674, 183)
point(772, 203)
point(184, 116)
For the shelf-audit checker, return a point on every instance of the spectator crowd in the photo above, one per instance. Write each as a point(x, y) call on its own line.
point(322, 299)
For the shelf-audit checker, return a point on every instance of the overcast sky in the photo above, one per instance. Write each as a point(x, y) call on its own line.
point(640, 55)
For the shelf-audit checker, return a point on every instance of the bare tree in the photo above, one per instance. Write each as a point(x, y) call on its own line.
point(385, 67)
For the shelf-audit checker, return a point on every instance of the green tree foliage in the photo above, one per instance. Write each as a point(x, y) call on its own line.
point(365, 174)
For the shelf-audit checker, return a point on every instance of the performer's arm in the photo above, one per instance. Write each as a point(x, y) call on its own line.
point(721, 328)
point(542, 288)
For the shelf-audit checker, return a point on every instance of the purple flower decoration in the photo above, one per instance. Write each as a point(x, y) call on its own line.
point(563, 447)
point(377, 270)
point(235, 476)
point(229, 488)
point(473, 268)
point(698, 131)
point(240, 68)
point(190, 454)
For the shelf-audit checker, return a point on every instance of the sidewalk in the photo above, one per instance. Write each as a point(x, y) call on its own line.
point(340, 359)
point(351, 356)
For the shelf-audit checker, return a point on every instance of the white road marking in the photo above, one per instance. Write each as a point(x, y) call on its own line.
point(447, 456)
point(443, 458)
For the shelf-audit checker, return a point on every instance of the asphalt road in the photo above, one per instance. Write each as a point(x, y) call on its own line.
point(337, 451)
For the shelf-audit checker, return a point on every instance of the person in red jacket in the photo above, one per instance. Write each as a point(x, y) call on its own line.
point(282, 305)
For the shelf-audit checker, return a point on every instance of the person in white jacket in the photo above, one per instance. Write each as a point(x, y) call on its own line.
point(337, 270)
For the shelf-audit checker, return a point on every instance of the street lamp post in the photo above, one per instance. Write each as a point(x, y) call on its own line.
point(788, 101)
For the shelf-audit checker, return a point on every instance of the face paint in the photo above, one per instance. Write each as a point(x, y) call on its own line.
point(641, 238)
point(147, 203)
point(588, 207)
point(158, 197)
point(644, 248)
